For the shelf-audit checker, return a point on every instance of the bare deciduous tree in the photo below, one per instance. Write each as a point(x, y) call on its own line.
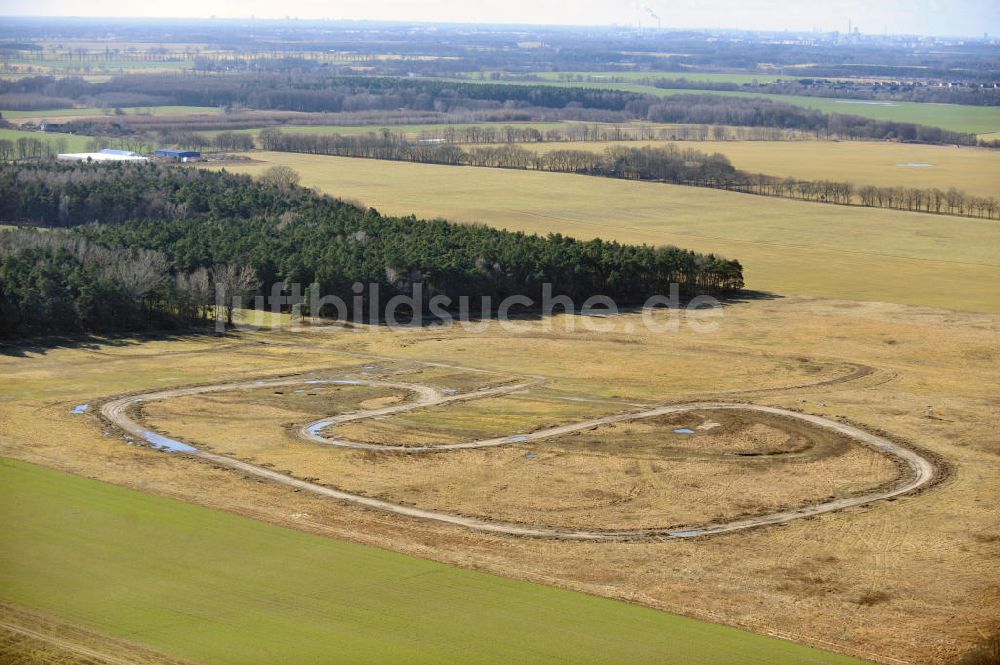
point(194, 293)
point(233, 283)
point(137, 270)
point(280, 176)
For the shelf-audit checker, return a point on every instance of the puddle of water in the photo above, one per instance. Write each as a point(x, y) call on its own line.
point(914, 164)
point(349, 382)
point(681, 534)
point(531, 456)
point(316, 427)
point(450, 390)
point(888, 446)
point(80, 408)
point(166, 443)
point(683, 430)
point(519, 437)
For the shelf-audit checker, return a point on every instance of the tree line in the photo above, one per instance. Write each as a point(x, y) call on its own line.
point(60, 283)
point(147, 143)
point(609, 132)
point(967, 92)
point(241, 118)
point(670, 164)
point(321, 92)
point(28, 147)
point(135, 244)
point(758, 112)
point(234, 141)
point(324, 93)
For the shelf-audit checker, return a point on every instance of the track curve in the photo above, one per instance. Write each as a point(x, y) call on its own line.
point(116, 411)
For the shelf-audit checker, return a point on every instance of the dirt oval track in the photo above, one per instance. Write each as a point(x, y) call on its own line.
point(922, 470)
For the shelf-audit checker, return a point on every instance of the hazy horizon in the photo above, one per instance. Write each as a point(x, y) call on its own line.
point(968, 18)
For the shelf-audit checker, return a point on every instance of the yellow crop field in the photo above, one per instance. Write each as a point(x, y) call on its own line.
point(974, 170)
point(786, 246)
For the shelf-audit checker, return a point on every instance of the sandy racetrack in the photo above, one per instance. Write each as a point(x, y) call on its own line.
point(116, 411)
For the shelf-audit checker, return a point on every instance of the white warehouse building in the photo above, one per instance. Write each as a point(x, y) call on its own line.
point(103, 156)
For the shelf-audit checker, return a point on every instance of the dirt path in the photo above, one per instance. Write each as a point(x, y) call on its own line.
point(922, 469)
point(66, 645)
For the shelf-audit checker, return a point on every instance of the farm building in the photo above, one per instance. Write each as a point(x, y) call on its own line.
point(172, 153)
point(98, 157)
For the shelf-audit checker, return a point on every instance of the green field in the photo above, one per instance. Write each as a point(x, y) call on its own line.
point(214, 587)
point(974, 119)
point(786, 246)
point(74, 142)
point(959, 118)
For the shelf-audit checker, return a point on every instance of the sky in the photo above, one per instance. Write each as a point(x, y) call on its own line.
point(925, 17)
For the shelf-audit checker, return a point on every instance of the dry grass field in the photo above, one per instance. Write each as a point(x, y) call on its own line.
point(67, 114)
point(634, 475)
point(786, 246)
point(974, 170)
point(910, 580)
